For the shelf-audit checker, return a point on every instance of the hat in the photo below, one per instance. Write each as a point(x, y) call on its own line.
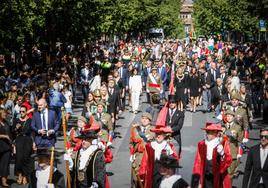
point(87, 135)
point(96, 93)
point(230, 112)
point(153, 68)
point(208, 123)
point(100, 103)
point(235, 95)
point(213, 127)
point(82, 118)
point(162, 129)
point(172, 98)
point(147, 115)
point(168, 161)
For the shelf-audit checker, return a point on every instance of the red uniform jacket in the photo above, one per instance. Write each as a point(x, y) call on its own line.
point(220, 165)
point(147, 165)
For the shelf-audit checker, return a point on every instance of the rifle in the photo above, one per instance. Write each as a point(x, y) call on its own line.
point(133, 172)
point(51, 170)
point(64, 126)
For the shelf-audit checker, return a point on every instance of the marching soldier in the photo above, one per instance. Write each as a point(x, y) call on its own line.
point(235, 135)
point(154, 83)
point(241, 116)
point(105, 120)
point(140, 135)
point(88, 166)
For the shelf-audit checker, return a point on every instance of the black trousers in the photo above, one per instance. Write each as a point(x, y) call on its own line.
point(261, 185)
point(178, 140)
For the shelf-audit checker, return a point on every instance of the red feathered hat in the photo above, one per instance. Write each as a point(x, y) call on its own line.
point(213, 127)
point(162, 129)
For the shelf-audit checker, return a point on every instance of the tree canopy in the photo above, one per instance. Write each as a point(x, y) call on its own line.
point(28, 22)
point(230, 15)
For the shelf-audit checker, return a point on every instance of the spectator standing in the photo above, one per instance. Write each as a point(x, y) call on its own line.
point(45, 125)
point(24, 143)
point(6, 147)
point(135, 88)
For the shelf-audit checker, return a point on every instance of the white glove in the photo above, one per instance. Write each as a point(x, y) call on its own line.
point(238, 156)
point(161, 91)
point(109, 144)
point(101, 146)
point(245, 140)
point(94, 185)
point(147, 90)
point(68, 158)
point(132, 158)
point(220, 150)
point(49, 185)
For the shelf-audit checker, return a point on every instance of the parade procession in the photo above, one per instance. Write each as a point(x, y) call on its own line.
point(134, 94)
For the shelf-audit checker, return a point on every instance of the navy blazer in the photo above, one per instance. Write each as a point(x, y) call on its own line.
point(125, 76)
point(163, 74)
point(145, 74)
point(52, 124)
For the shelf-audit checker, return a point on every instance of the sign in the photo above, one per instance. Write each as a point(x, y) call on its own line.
point(262, 25)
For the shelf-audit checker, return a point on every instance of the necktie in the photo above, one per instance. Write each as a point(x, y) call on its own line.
point(234, 109)
point(143, 130)
point(44, 121)
point(99, 116)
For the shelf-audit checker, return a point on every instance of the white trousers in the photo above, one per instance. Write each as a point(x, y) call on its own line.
point(135, 97)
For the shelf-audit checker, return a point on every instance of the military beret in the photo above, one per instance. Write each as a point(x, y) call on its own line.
point(147, 115)
point(82, 118)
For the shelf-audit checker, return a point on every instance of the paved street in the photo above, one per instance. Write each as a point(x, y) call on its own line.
point(120, 167)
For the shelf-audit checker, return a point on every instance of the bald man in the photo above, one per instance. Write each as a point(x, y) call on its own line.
point(44, 124)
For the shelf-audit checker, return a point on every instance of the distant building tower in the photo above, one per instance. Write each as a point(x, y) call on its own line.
point(186, 13)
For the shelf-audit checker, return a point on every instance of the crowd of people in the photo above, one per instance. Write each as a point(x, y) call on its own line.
point(37, 92)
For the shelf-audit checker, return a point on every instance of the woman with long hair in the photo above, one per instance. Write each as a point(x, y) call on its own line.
point(21, 129)
point(5, 147)
point(180, 84)
point(195, 89)
point(90, 106)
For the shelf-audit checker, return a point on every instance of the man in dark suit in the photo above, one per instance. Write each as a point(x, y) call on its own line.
point(257, 164)
point(213, 73)
point(113, 100)
point(216, 96)
point(162, 71)
point(175, 119)
point(86, 76)
point(45, 125)
point(145, 73)
point(123, 73)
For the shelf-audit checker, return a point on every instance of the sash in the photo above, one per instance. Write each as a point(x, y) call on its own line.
point(142, 135)
point(154, 84)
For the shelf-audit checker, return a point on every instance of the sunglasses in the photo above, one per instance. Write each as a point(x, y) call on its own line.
point(264, 136)
point(22, 111)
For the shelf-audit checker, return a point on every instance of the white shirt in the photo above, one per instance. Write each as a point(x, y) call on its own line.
point(42, 177)
point(210, 146)
point(86, 74)
point(263, 156)
point(135, 84)
point(68, 103)
point(46, 118)
point(169, 181)
point(84, 155)
point(159, 147)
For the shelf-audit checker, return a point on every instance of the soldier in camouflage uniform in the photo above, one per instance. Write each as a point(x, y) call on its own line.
point(235, 135)
point(140, 135)
point(239, 109)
